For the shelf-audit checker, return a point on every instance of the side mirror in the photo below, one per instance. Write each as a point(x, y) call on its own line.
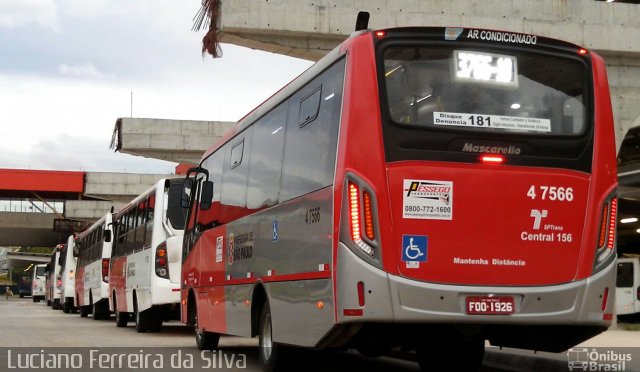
point(107, 236)
point(206, 196)
point(186, 192)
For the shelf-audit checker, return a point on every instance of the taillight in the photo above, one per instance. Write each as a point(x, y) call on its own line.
point(59, 283)
point(492, 159)
point(105, 270)
point(368, 216)
point(605, 251)
point(361, 216)
point(638, 293)
point(162, 269)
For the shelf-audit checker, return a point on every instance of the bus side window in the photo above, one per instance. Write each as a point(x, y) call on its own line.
point(265, 165)
point(310, 149)
point(234, 181)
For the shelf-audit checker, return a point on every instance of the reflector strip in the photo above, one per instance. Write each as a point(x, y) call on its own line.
point(605, 297)
point(352, 312)
point(360, 294)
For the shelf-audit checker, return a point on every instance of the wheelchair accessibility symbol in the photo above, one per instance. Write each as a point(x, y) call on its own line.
point(414, 248)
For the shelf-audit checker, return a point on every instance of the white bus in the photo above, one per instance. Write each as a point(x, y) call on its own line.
point(67, 276)
point(628, 287)
point(52, 296)
point(93, 251)
point(38, 283)
point(144, 277)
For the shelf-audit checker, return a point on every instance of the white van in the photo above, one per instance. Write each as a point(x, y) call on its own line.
point(38, 283)
point(628, 286)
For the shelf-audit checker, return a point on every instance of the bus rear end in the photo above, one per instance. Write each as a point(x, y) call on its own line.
point(483, 206)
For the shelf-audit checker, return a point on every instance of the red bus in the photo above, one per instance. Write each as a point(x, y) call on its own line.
point(423, 188)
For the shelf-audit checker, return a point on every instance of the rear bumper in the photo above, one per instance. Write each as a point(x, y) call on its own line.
point(390, 298)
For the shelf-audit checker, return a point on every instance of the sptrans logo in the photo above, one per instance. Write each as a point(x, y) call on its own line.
point(585, 359)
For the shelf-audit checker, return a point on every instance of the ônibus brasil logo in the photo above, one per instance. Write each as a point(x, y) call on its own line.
point(597, 359)
point(429, 190)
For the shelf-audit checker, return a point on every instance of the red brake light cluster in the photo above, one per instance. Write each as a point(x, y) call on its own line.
point(162, 267)
point(605, 251)
point(361, 217)
point(105, 270)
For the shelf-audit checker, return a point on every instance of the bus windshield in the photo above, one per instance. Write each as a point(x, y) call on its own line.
point(478, 89)
point(175, 213)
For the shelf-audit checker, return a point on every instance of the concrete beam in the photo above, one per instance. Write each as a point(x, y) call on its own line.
point(20, 258)
point(90, 210)
point(28, 229)
point(180, 141)
point(121, 187)
point(312, 28)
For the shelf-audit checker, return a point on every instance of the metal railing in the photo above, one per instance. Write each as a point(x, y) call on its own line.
point(31, 206)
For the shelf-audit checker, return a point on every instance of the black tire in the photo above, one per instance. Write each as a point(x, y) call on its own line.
point(143, 318)
point(99, 311)
point(66, 307)
point(273, 356)
point(121, 318)
point(35, 300)
point(204, 340)
point(84, 311)
point(450, 352)
point(48, 302)
point(55, 305)
point(155, 325)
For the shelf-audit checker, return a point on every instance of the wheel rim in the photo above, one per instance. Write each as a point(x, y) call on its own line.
point(265, 335)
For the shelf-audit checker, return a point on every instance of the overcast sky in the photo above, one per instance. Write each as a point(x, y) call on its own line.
point(68, 67)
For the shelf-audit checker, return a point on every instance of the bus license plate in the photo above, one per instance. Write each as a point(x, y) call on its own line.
point(486, 305)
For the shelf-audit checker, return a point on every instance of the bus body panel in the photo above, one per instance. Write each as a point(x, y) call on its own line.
point(53, 289)
point(81, 287)
point(67, 273)
point(286, 250)
point(493, 225)
point(38, 282)
point(117, 282)
point(628, 286)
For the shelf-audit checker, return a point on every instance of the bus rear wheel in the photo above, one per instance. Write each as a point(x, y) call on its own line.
point(121, 318)
point(84, 311)
point(100, 310)
point(143, 318)
point(67, 306)
point(273, 356)
point(205, 340)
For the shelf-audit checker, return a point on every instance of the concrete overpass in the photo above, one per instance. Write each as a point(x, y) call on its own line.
point(39, 208)
point(310, 29)
point(180, 141)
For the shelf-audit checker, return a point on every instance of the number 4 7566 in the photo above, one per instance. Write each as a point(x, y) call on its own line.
point(551, 193)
